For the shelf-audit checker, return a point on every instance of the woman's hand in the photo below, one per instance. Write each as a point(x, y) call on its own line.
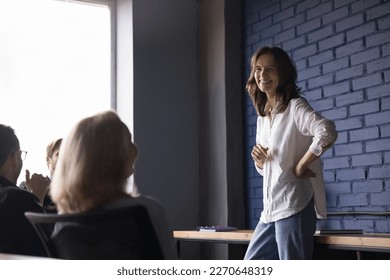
point(259, 155)
point(303, 172)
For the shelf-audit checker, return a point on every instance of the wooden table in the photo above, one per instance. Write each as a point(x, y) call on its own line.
point(228, 237)
point(237, 237)
point(355, 242)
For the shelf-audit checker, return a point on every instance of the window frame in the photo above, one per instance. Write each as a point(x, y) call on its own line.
point(122, 70)
point(111, 4)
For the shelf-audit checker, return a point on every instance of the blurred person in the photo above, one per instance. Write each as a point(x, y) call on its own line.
point(52, 152)
point(17, 236)
point(290, 139)
point(97, 159)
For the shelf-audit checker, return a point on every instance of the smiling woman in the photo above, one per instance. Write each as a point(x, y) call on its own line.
point(55, 69)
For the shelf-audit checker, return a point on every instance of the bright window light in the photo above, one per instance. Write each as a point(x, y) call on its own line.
point(55, 69)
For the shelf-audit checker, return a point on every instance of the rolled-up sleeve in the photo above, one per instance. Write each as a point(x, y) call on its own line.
point(259, 170)
point(311, 123)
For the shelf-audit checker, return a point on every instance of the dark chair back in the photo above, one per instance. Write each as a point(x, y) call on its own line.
point(109, 234)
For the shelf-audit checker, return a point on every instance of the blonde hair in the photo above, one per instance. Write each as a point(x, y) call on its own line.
point(94, 164)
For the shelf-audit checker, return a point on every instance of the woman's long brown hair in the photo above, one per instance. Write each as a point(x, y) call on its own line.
point(287, 89)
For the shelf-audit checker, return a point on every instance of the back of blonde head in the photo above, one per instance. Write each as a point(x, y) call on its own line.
point(94, 164)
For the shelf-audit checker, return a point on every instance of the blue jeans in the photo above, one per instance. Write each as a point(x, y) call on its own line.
point(291, 238)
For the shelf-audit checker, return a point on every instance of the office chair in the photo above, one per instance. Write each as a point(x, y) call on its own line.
point(109, 234)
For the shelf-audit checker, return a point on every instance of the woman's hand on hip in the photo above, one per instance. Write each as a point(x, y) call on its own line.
point(303, 172)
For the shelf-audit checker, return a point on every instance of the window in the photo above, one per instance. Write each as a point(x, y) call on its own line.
point(55, 69)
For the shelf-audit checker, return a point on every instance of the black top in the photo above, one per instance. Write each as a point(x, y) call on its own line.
point(17, 235)
point(48, 203)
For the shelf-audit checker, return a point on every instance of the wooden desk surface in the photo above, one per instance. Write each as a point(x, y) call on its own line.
point(353, 241)
point(240, 236)
point(368, 240)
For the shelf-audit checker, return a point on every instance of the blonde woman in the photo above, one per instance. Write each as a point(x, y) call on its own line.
point(92, 172)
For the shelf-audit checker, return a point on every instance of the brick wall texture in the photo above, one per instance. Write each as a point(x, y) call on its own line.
point(342, 52)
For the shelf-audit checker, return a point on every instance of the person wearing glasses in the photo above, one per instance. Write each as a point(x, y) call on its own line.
point(17, 236)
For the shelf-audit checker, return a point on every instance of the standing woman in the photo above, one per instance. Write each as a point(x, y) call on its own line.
point(290, 138)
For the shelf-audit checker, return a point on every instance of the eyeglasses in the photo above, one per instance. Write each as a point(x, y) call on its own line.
point(23, 154)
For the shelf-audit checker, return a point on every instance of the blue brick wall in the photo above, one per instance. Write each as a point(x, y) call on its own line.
point(342, 52)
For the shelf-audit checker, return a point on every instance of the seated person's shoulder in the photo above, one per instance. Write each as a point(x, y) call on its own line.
point(158, 219)
point(18, 198)
point(16, 192)
point(147, 201)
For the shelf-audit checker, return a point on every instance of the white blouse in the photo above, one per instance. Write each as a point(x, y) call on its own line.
point(288, 136)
